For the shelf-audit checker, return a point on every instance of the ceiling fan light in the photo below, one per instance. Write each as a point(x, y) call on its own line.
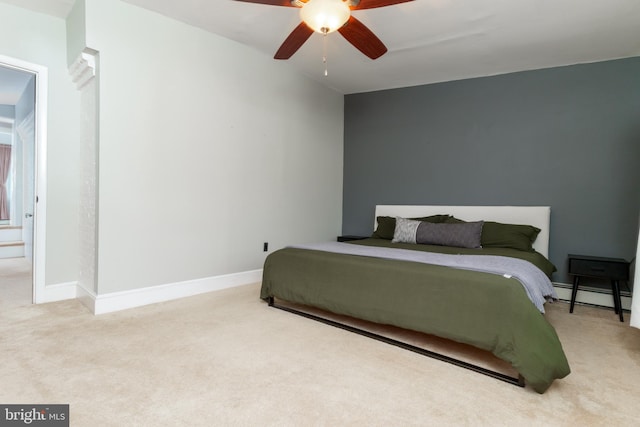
point(325, 16)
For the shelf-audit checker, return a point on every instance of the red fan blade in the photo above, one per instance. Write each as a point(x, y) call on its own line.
point(371, 4)
point(362, 38)
point(270, 2)
point(292, 43)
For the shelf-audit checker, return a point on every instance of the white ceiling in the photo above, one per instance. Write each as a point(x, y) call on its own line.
point(432, 40)
point(428, 40)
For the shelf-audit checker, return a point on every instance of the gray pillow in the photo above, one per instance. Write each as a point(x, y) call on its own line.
point(405, 231)
point(462, 235)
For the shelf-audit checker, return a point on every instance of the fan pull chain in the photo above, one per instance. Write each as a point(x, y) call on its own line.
point(324, 50)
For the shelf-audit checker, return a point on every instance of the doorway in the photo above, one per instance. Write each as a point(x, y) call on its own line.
point(22, 227)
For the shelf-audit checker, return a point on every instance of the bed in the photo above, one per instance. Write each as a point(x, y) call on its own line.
point(441, 277)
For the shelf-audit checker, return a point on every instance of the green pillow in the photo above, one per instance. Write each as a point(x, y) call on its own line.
point(387, 225)
point(454, 220)
point(497, 235)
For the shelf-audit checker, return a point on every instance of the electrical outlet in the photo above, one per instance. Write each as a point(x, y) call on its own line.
point(265, 246)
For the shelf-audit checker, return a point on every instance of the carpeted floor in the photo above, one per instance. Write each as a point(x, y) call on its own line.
point(225, 358)
point(16, 287)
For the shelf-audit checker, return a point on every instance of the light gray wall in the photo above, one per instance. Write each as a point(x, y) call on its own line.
point(7, 111)
point(76, 31)
point(253, 154)
point(27, 102)
point(566, 137)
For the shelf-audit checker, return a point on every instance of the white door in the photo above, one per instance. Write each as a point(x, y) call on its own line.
point(27, 133)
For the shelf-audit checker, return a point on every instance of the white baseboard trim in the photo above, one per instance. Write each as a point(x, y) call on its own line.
point(116, 301)
point(584, 296)
point(86, 297)
point(58, 292)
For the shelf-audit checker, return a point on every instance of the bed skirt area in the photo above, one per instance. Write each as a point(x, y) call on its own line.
point(518, 381)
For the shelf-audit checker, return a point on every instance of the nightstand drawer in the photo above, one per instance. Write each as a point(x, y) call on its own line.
point(599, 268)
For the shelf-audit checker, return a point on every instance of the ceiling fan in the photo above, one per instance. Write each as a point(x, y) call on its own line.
point(327, 16)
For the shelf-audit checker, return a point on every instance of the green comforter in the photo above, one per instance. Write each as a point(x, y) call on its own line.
point(485, 310)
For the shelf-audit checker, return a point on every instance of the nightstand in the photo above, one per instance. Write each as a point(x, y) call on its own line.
point(348, 238)
point(613, 269)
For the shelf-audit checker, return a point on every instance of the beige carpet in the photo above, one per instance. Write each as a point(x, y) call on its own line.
point(16, 286)
point(225, 358)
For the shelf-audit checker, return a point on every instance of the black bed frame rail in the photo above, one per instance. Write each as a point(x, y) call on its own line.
point(519, 381)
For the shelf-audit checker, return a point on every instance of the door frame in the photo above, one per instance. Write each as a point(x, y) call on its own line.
point(41, 74)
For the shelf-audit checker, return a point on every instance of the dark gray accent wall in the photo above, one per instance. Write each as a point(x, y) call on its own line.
point(566, 137)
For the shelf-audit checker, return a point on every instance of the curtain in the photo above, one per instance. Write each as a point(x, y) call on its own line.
point(635, 300)
point(5, 161)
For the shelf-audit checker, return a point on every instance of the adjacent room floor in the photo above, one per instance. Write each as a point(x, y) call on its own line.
point(16, 288)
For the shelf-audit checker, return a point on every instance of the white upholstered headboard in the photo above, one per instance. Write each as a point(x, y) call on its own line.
point(538, 216)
